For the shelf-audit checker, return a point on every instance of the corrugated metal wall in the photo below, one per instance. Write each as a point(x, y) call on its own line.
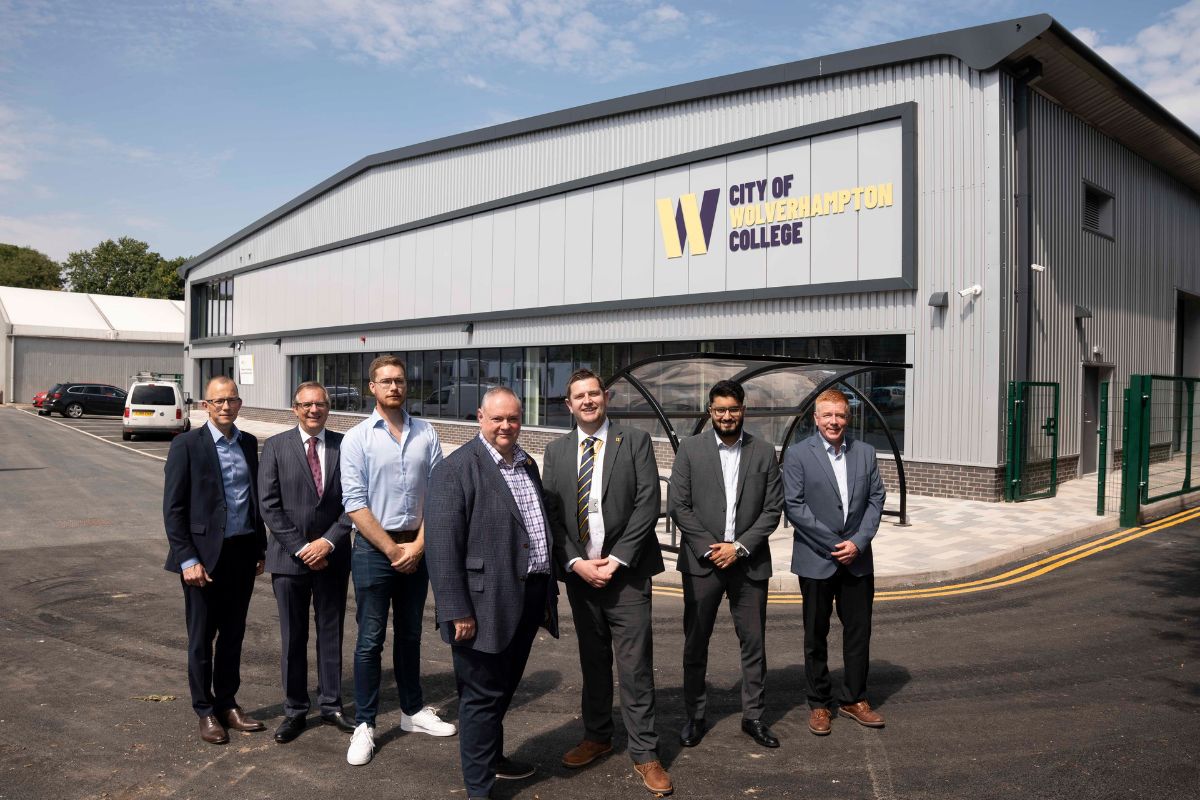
point(1128, 283)
point(953, 391)
point(38, 363)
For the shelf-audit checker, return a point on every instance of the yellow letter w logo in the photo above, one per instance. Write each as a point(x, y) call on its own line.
point(687, 222)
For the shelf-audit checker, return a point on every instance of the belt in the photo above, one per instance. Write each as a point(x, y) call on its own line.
point(399, 537)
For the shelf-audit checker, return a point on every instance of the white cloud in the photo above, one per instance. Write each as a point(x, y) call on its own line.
point(1161, 58)
point(56, 235)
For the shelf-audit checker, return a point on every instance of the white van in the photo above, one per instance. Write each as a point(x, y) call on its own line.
point(154, 407)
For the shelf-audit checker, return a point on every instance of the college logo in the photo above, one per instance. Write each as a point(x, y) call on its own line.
point(687, 223)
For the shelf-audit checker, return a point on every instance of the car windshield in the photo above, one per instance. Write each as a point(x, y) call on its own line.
point(153, 396)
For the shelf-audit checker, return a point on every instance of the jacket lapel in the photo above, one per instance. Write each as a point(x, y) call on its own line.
point(852, 455)
point(743, 462)
point(491, 474)
point(711, 453)
point(615, 438)
point(296, 443)
point(333, 453)
point(822, 456)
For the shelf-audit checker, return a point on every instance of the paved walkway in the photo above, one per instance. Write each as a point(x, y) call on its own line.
point(945, 540)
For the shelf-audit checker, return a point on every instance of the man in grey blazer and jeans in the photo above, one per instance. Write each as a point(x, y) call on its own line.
point(602, 498)
point(308, 556)
point(834, 498)
point(726, 497)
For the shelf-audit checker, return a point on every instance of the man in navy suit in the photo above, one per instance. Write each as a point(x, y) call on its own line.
point(834, 499)
point(218, 546)
point(308, 556)
point(488, 550)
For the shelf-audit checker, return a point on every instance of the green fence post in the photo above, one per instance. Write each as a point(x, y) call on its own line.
point(1187, 464)
point(1133, 451)
point(1102, 455)
point(1053, 433)
point(1011, 467)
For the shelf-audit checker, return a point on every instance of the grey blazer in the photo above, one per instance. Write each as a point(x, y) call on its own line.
point(698, 502)
point(477, 550)
point(290, 507)
point(814, 506)
point(630, 500)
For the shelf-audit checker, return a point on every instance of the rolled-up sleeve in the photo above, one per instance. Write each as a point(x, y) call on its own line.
point(354, 472)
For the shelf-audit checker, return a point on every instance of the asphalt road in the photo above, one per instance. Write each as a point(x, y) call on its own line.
point(1079, 683)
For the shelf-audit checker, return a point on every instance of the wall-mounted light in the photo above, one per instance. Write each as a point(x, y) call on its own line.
point(239, 345)
point(939, 299)
point(469, 328)
point(1037, 268)
point(971, 291)
point(1082, 312)
point(279, 342)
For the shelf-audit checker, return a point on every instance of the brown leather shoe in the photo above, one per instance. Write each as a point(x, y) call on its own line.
point(211, 730)
point(655, 778)
point(236, 719)
point(585, 753)
point(861, 713)
point(819, 721)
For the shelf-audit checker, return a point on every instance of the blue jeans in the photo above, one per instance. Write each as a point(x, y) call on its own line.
point(378, 587)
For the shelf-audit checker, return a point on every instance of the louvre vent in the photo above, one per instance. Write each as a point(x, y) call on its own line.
point(1097, 211)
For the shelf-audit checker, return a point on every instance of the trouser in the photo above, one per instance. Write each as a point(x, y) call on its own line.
point(325, 591)
point(853, 596)
point(702, 595)
point(486, 683)
point(377, 588)
point(216, 625)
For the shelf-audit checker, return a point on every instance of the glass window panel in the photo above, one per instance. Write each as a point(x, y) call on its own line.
point(559, 366)
point(532, 371)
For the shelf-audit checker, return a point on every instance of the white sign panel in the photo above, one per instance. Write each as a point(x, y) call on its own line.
point(246, 370)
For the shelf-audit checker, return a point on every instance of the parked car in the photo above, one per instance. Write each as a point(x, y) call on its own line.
point(456, 401)
point(154, 407)
point(344, 398)
point(39, 399)
point(76, 399)
point(888, 398)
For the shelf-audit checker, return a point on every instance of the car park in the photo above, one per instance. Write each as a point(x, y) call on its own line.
point(154, 407)
point(75, 399)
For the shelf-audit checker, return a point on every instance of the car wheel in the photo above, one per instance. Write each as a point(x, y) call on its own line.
point(74, 411)
point(126, 436)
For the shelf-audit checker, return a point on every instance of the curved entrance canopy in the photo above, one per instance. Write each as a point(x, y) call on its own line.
point(667, 396)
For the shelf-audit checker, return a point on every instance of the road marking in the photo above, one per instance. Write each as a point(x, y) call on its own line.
point(98, 438)
point(1020, 574)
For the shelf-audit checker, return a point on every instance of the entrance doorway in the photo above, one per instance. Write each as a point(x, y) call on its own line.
point(1089, 416)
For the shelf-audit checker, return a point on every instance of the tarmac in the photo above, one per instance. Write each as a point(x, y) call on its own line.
point(945, 540)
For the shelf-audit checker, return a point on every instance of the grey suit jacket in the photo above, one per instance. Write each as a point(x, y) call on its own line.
point(814, 506)
point(629, 498)
point(291, 508)
point(477, 549)
point(698, 502)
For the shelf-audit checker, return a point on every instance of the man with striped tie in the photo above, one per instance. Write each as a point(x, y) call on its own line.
point(602, 499)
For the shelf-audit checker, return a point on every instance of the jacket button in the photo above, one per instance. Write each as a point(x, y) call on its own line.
point(526, 545)
point(521, 578)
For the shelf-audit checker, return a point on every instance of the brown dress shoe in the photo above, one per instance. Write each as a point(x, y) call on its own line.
point(236, 718)
point(861, 713)
point(211, 730)
point(585, 753)
point(655, 778)
point(818, 721)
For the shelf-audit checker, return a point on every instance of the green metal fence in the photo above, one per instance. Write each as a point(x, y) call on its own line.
point(1158, 442)
point(1032, 468)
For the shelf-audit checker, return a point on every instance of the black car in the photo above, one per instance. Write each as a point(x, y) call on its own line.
point(76, 399)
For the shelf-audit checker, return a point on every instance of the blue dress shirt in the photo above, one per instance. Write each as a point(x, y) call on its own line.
point(387, 476)
point(235, 480)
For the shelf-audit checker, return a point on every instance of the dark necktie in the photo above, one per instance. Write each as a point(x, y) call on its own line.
point(584, 485)
point(314, 464)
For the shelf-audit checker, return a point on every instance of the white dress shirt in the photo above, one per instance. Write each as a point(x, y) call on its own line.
point(595, 542)
point(320, 437)
point(731, 461)
point(837, 460)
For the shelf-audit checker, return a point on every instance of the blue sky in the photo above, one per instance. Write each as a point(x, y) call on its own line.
point(181, 121)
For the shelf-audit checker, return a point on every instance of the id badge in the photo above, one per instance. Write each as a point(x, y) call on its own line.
point(593, 505)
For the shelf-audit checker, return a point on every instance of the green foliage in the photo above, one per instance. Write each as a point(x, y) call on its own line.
point(28, 268)
point(126, 267)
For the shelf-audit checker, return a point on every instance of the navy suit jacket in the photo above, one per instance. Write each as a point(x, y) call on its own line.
point(814, 506)
point(477, 549)
point(291, 508)
point(194, 499)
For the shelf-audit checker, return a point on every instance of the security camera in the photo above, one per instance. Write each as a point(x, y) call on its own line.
point(1037, 268)
point(971, 291)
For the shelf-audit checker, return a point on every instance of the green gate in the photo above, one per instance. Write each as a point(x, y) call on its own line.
point(1032, 470)
point(1160, 457)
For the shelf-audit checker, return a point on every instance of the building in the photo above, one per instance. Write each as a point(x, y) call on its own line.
point(988, 204)
point(54, 337)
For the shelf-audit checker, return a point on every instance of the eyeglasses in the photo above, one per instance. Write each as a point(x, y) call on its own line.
point(731, 411)
point(315, 404)
point(224, 401)
point(388, 383)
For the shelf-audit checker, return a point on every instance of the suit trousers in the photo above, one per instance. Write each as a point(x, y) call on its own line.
point(379, 588)
point(853, 596)
point(486, 683)
point(616, 618)
point(325, 591)
point(218, 612)
point(702, 595)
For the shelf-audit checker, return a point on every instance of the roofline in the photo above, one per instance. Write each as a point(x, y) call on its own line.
point(982, 47)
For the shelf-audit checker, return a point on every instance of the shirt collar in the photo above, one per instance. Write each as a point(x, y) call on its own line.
point(519, 455)
point(305, 436)
point(829, 448)
point(376, 418)
point(722, 445)
point(218, 436)
point(601, 433)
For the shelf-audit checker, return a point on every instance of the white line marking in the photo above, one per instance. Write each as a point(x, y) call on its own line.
point(879, 768)
point(98, 438)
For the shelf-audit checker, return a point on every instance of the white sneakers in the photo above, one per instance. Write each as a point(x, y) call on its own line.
point(362, 745)
point(426, 721)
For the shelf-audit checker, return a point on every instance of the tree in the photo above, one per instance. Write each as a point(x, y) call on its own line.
point(28, 268)
point(126, 267)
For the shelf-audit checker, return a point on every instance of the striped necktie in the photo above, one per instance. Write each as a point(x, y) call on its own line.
point(584, 485)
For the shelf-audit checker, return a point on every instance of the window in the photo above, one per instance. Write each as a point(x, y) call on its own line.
point(1098, 211)
point(212, 309)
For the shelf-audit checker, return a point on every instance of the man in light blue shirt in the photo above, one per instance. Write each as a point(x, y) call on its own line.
point(386, 461)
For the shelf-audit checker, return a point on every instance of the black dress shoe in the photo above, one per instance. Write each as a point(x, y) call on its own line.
point(693, 731)
point(759, 732)
point(338, 720)
point(290, 728)
point(509, 770)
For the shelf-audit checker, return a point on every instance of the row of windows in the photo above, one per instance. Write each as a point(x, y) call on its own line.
point(447, 384)
point(212, 309)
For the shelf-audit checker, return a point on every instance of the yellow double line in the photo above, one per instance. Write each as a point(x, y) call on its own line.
point(1013, 576)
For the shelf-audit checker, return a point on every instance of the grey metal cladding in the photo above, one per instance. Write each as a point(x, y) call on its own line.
point(981, 47)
